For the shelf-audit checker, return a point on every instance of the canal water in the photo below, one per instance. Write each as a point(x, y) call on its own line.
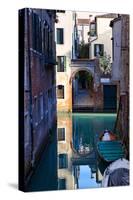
point(71, 160)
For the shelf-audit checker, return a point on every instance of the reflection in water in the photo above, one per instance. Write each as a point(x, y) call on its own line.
point(87, 179)
point(72, 163)
point(78, 165)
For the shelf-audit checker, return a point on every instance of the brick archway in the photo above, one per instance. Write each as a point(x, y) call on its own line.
point(78, 70)
point(82, 93)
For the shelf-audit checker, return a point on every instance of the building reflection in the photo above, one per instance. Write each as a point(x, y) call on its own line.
point(66, 176)
point(76, 153)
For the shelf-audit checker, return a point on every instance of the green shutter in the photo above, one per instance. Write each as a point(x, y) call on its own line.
point(64, 63)
point(58, 36)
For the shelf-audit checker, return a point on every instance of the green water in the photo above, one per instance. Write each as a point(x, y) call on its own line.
point(86, 130)
point(56, 169)
point(87, 127)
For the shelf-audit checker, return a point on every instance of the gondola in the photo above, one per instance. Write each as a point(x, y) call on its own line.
point(110, 149)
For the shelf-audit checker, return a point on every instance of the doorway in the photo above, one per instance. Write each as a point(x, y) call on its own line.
point(110, 97)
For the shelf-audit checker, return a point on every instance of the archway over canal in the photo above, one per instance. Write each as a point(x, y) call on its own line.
point(82, 89)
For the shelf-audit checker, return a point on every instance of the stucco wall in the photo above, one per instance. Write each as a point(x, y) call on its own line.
point(65, 121)
point(117, 51)
point(104, 35)
point(62, 78)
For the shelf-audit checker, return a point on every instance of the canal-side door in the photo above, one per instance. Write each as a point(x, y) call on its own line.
point(110, 97)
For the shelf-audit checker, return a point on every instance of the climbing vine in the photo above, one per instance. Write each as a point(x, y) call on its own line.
point(105, 63)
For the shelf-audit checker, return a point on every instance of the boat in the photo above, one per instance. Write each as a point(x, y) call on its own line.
point(116, 174)
point(107, 136)
point(109, 148)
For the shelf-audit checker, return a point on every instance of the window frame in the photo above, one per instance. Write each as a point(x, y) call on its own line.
point(41, 106)
point(95, 54)
point(60, 35)
point(93, 30)
point(64, 129)
point(59, 183)
point(62, 161)
point(63, 96)
point(61, 67)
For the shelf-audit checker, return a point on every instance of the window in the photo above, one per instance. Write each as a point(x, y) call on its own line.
point(92, 29)
point(51, 42)
point(98, 49)
point(36, 33)
point(41, 106)
point(61, 134)
point(27, 128)
point(45, 105)
point(61, 183)
point(35, 111)
point(63, 161)
point(60, 36)
point(45, 39)
point(60, 92)
point(61, 63)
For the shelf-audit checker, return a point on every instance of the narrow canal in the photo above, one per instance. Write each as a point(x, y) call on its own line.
point(71, 160)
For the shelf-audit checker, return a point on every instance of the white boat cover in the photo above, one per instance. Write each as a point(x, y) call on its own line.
point(117, 173)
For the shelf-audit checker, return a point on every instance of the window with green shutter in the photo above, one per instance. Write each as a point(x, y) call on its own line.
point(61, 183)
point(61, 134)
point(61, 67)
point(63, 161)
point(60, 92)
point(60, 36)
point(98, 49)
point(93, 29)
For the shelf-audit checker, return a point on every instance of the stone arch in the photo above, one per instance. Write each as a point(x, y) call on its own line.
point(82, 93)
point(78, 70)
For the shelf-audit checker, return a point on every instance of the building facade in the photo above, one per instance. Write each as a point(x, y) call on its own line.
point(120, 73)
point(37, 62)
point(65, 50)
point(100, 35)
point(81, 44)
point(66, 179)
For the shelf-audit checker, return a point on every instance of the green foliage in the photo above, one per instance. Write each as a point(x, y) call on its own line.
point(105, 63)
point(83, 50)
point(88, 77)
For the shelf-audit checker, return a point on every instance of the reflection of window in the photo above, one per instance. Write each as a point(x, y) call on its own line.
point(63, 161)
point(61, 183)
point(61, 63)
point(60, 92)
point(98, 49)
point(92, 29)
point(61, 134)
point(60, 35)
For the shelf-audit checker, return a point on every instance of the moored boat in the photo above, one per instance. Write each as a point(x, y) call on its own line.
point(116, 174)
point(107, 136)
point(109, 148)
